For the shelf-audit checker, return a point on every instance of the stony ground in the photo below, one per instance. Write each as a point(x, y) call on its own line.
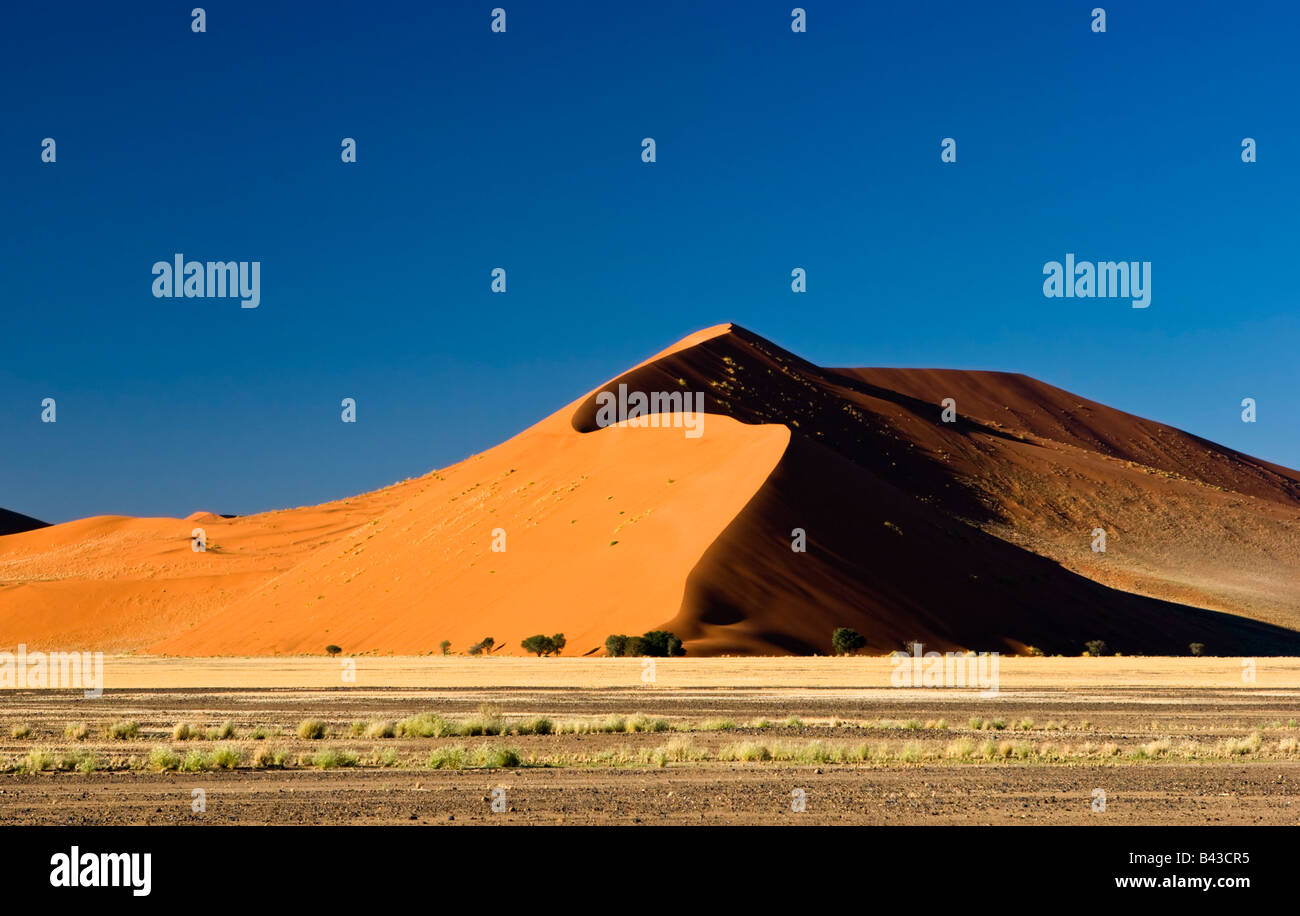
point(1246, 787)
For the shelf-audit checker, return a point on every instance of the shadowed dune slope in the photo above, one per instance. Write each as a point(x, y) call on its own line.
point(14, 522)
point(972, 534)
point(978, 533)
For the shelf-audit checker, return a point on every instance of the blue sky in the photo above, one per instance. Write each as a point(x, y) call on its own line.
point(522, 150)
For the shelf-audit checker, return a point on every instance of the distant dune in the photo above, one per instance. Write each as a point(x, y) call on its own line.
point(974, 534)
point(14, 522)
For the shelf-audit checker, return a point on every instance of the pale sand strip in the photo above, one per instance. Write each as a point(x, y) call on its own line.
point(135, 672)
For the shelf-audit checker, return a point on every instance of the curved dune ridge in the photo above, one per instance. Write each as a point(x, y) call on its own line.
point(974, 534)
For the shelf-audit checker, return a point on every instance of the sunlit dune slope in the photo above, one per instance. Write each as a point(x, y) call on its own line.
point(600, 533)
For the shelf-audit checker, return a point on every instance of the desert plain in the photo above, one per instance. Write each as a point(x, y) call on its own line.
point(455, 741)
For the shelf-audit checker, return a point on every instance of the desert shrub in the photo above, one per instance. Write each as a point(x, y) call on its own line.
point(378, 729)
point(447, 758)
point(495, 757)
point(1233, 747)
point(123, 731)
point(1197, 648)
point(384, 757)
point(223, 732)
point(640, 723)
point(196, 762)
point(911, 753)
point(717, 725)
point(746, 751)
point(476, 726)
point(1096, 647)
point(677, 750)
point(1034, 651)
point(536, 726)
point(425, 725)
point(226, 757)
point(332, 650)
point(21, 730)
point(183, 731)
point(961, 749)
point(331, 758)
point(1157, 748)
point(38, 760)
point(311, 729)
point(264, 758)
point(483, 645)
point(814, 752)
point(77, 731)
point(487, 722)
point(845, 640)
point(164, 758)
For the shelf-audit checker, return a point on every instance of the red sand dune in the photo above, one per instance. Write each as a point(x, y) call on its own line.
point(975, 534)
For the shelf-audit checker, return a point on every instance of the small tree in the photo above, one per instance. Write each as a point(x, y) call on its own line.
point(557, 643)
point(332, 650)
point(615, 646)
point(845, 640)
point(445, 646)
point(635, 647)
point(485, 645)
point(541, 645)
point(1197, 648)
point(1096, 647)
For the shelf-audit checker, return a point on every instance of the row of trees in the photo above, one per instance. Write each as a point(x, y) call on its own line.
point(656, 643)
point(662, 644)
